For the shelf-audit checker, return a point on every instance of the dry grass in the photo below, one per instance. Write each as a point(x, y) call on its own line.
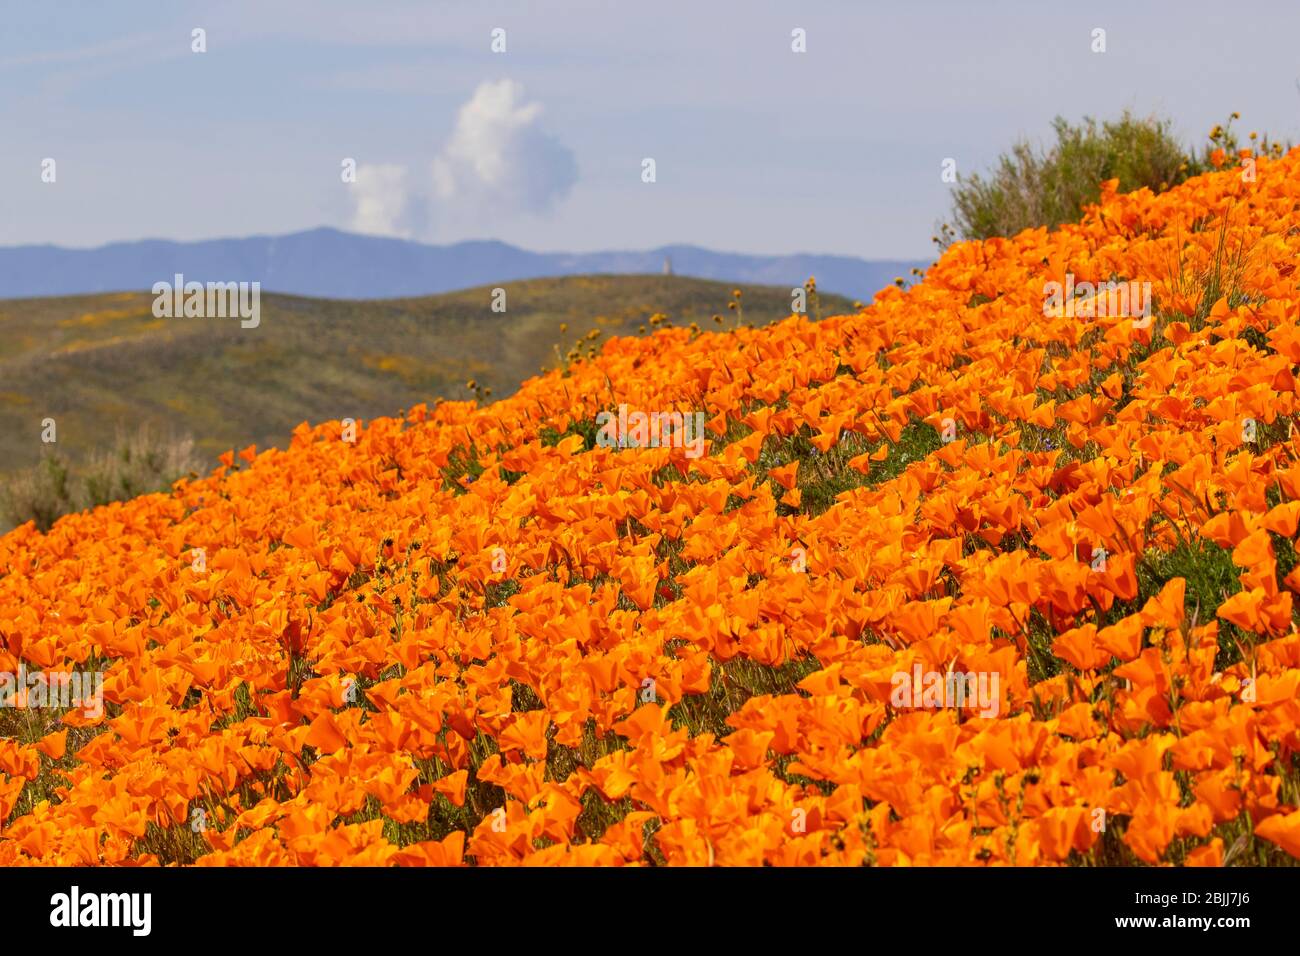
point(136, 463)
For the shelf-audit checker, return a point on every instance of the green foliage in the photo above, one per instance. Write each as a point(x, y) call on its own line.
point(1028, 188)
point(1211, 579)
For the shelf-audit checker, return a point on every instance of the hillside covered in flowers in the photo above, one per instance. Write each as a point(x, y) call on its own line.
point(476, 634)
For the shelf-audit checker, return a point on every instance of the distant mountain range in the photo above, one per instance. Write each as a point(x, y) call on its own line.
point(329, 263)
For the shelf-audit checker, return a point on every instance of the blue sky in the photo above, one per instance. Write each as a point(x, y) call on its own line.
point(757, 148)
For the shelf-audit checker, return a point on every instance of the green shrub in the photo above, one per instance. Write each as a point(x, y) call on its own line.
point(1028, 189)
point(41, 493)
point(136, 464)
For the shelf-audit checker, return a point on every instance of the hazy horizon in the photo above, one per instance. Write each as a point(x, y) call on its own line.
point(329, 227)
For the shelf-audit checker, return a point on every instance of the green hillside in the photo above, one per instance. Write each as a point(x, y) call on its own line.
point(101, 364)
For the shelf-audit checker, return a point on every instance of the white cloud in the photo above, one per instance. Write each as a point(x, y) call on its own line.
point(383, 202)
point(498, 162)
point(499, 159)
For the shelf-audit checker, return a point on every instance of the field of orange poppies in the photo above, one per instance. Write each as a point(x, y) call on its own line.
point(476, 635)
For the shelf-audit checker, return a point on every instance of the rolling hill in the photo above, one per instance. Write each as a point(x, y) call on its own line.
point(97, 363)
